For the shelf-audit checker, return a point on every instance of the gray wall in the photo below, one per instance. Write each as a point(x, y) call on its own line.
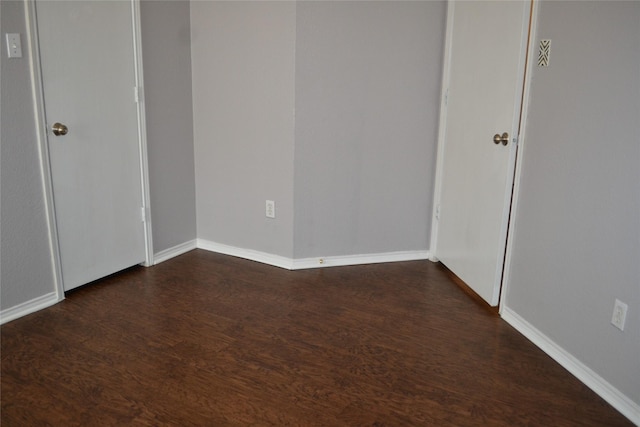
point(243, 97)
point(166, 53)
point(363, 79)
point(367, 99)
point(26, 266)
point(577, 231)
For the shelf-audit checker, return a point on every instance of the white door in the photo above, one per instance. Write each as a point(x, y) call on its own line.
point(487, 44)
point(88, 73)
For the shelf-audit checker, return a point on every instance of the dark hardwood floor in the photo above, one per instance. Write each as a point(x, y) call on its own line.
point(210, 340)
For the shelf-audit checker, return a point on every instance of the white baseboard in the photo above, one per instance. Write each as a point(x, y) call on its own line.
point(29, 307)
point(335, 261)
point(305, 263)
point(180, 249)
point(250, 254)
point(595, 382)
point(47, 300)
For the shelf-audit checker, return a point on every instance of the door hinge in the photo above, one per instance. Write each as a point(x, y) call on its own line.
point(438, 212)
point(144, 214)
point(136, 94)
point(446, 97)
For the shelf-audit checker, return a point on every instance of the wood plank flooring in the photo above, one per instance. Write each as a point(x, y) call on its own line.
point(210, 340)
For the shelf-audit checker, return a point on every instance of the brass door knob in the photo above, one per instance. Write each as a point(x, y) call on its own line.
point(504, 138)
point(59, 129)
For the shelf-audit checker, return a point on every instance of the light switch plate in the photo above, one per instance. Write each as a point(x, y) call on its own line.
point(14, 45)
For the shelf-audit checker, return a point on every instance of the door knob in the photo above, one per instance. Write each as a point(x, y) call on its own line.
point(504, 138)
point(59, 129)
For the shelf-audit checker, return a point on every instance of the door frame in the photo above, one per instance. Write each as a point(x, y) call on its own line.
point(43, 138)
point(516, 155)
point(526, 94)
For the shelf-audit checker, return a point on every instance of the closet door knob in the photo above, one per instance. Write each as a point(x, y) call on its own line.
point(504, 138)
point(59, 129)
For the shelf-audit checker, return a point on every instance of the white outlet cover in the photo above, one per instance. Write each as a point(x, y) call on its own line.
point(619, 314)
point(270, 209)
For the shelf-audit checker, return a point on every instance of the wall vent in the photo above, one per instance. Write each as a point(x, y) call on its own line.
point(543, 53)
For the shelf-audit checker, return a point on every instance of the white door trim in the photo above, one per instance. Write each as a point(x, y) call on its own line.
point(43, 144)
point(515, 157)
point(531, 60)
point(442, 130)
point(142, 132)
point(43, 139)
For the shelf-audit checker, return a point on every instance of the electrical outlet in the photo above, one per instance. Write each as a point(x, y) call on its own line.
point(270, 209)
point(619, 314)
